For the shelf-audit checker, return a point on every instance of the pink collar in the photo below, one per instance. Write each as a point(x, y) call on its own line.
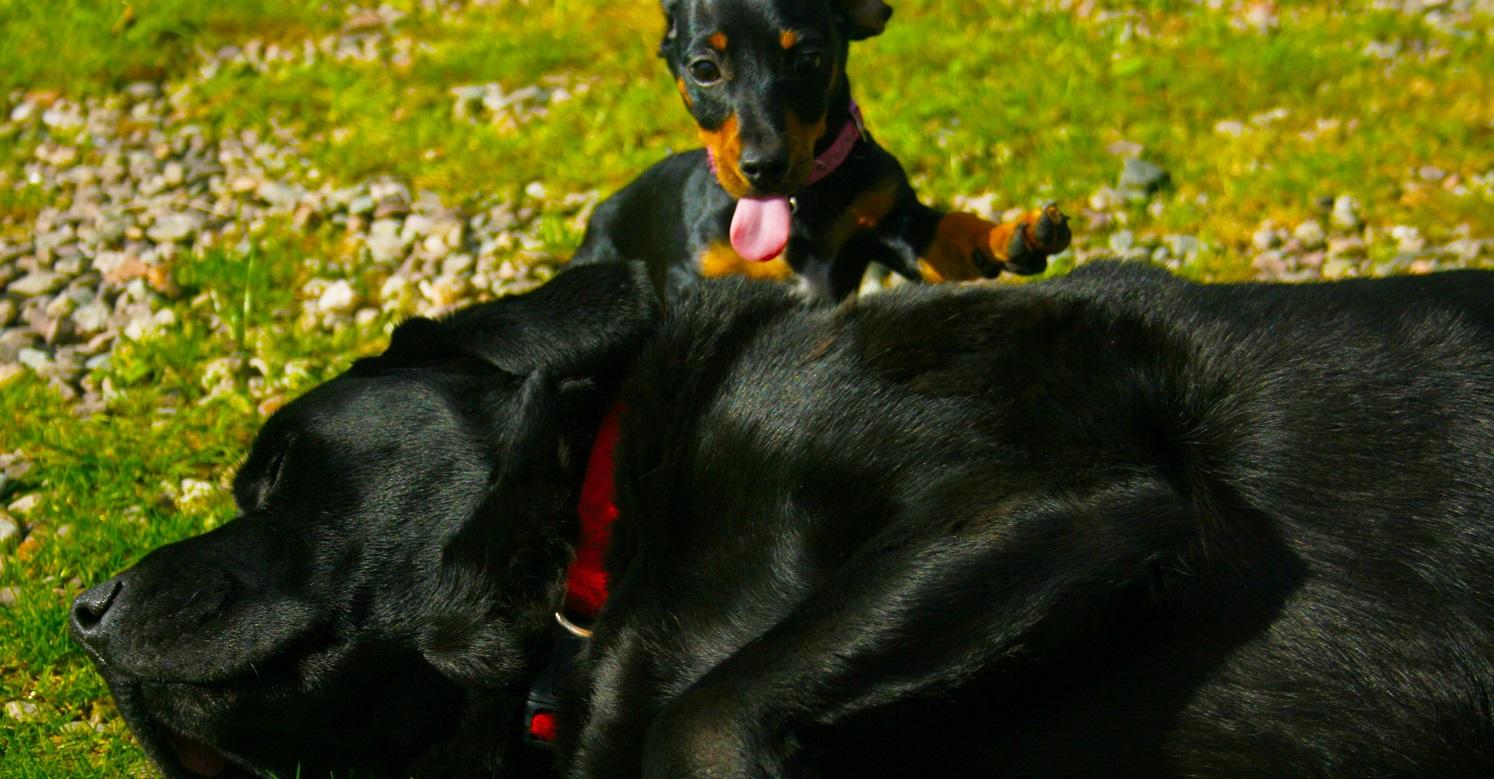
point(832, 158)
point(852, 131)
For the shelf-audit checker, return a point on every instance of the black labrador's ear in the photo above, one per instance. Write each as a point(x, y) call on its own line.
point(585, 320)
point(863, 18)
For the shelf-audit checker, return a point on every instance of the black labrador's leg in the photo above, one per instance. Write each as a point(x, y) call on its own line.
point(914, 616)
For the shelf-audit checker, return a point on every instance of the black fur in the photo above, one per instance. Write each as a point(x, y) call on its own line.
point(1113, 524)
point(671, 215)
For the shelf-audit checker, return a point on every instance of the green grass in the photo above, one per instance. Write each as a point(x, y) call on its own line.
point(974, 96)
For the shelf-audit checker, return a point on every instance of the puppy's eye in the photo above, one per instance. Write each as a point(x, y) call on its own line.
point(704, 72)
point(808, 63)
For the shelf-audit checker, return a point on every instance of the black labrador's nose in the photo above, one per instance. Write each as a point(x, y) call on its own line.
point(764, 169)
point(90, 614)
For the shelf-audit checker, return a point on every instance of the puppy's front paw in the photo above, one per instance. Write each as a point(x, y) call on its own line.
point(1039, 235)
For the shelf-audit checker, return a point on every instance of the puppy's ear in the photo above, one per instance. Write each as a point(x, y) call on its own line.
point(863, 19)
point(586, 320)
point(671, 14)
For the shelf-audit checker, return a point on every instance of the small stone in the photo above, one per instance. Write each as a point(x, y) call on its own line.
point(35, 359)
point(1348, 246)
point(1122, 240)
point(457, 264)
point(37, 282)
point(1140, 176)
point(1230, 127)
point(1339, 268)
point(1345, 215)
point(12, 341)
point(390, 208)
point(363, 204)
point(279, 195)
point(195, 492)
point(1184, 246)
point(1408, 239)
point(445, 291)
point(1267, 237)
point(173, 228)
point(10, 531)
point(338, 298)
point(384, 242)
point(1106, 199)
point(20, 711)
point(9, 596)
point(1310, 234)
point(92, 318)
point(25, 504)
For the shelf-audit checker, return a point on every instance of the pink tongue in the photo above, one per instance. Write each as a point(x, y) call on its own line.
point(760, 227)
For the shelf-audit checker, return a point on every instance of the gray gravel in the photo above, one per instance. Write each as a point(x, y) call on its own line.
point(97, 264)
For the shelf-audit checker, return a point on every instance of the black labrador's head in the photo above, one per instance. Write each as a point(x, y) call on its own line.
point(378, 603)
point(764, 79)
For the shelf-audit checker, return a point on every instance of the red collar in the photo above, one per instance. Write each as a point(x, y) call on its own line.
point(586, 579)
point(832, 158)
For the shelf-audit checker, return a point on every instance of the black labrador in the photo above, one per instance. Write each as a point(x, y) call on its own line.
point(1113, 524)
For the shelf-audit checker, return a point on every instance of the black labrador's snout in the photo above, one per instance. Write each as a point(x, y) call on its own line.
point(90, 620)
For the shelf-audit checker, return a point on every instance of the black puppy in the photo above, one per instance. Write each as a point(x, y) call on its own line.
point(790, 182)
point(1113, 524)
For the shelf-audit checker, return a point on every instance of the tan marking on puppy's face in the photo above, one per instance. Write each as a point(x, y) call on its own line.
point(802, 137)
point(718, 41)
point(725, 144)
point(788, 39)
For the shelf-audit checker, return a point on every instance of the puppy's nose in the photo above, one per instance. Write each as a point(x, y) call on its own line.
point(764, 169)
point(90, 613)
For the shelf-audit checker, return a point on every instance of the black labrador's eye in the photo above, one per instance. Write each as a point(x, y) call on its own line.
point(704, 72)
point(808, 63)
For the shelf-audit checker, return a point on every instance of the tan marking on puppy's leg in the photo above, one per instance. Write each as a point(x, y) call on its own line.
point(951, 256)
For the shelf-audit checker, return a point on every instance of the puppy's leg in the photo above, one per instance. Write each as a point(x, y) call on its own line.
point(917, 616)
point(937, 246)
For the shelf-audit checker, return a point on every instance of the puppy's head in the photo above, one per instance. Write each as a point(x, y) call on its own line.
point(401, 539)
point(760, 77)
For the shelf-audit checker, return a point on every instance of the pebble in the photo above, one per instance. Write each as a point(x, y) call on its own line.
point(39, 282)
point(171, 228)
point(1345, 214)
point(10, 531)
point(20, 711)
point(9, 596)
point(338, 298)
point(1346, 246)
point(1142, 177)
point(1310, 234)
point(1267, 237)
